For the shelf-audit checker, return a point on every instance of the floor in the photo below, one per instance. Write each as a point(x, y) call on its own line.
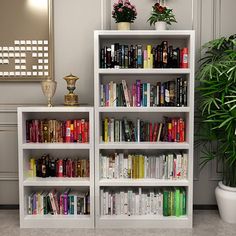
point(206, 223)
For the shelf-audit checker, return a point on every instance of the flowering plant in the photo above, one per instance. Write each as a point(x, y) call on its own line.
point(161, 13)
point(124, 11)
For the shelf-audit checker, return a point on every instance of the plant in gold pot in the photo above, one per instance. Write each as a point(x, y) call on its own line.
point(217, 133)
point(161, 16)
point(124, 14)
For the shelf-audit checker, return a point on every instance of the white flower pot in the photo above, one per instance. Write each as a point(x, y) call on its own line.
point(226, 200)
point(123, 25)
point(161, 25)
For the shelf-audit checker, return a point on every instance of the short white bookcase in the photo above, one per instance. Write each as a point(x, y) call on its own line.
point(28, 185)
point(101, 76)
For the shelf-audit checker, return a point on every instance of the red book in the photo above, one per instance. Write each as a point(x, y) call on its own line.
point(173, 130)
point(86, 130)
point(82, 130)
point(178, 131)
point(79, 136)
point(169, 132)
point(68, 131)
point(75, 131)
point(150, 132)
point(154, 138)
point(71, 133)
point(181, 124)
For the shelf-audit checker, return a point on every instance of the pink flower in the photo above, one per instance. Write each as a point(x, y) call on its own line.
point(113, 12)
point(120, 1)
point(129, 7)
point(120, 10)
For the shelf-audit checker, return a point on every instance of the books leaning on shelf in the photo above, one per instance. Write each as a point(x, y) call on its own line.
point(171, 166)
point(139, 56)
point(55, 203)
point(170, 130)
point(170, 93)
point(47, 166)
point(54, 131)
point(159, 202)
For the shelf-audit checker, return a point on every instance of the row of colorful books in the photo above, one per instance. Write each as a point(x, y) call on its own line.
point(165, 166)
point(170, 93)
point(56, 203)
point(170, 130)
point(140, 56)
point(159, 202)
point(47, 166)
point(54, 131)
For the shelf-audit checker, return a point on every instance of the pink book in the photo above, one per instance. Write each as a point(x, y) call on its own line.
point(138, 97)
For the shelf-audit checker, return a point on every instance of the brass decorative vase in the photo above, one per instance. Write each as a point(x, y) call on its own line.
point(71, 99)
point(49, 88)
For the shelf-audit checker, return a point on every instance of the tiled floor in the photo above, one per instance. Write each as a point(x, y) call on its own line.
point(206, 223)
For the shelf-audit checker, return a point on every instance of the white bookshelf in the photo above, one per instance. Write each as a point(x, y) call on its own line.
point(72, 150)
point(178, 38)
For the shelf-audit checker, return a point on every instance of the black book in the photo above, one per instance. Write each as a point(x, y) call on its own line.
point(185, 101)
point(164, 54)
point(176, 58)
point(108, 57)
point(170, 57)
point(102, 59)
point(159, 56)
point(117, 55)
point(126, 62)
point(122, 96)
point(177, 92)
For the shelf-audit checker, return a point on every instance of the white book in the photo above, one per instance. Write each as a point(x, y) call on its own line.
point(152, 203)
point(111, 94)
point(148, 94)
point(170, 165)
point(112, 122)
point(185, 166)
point(145, 166)
point(126, 203)
point(178, 169)
point(109, 203)
point(161, 166)
point(122, 201)
point(148, 205)
point(118, 204)
point(116, 172)
point(137, 203)
point(140, 200)
point(129, 166)
point(121, 165)
point(106, 202)
point(157, 167)
point(125, 89)
point(75, 204)
point(138, 130)
point(125, 168)
point(117, 131)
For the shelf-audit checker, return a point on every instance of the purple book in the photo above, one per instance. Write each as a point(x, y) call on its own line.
point(107, 102)
point(138, 98)
point(65, 204)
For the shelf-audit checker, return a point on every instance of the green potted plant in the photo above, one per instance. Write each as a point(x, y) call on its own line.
point(217, 88)
point(161, 16)
point(124, 14)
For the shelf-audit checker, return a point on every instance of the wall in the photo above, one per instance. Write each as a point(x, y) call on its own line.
point(74, 22)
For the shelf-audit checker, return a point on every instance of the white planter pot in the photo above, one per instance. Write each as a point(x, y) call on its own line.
point(160, 25)
point(123, 25)
point(226, 200)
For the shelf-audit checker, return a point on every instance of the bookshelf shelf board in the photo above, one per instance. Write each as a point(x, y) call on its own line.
point(56, 181)
point(144, 145)
point(168, 71)
point(57, 221)
point(144, 109)
point(142, 182)
point(56, 146)
point(144, 221)
point(144, 34)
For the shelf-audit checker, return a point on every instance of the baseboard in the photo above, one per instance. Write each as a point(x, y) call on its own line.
point(205, 207)
point(195, 207)
point(9, 207)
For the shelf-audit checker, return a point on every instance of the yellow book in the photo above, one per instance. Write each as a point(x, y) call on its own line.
point(141, 166)
point(106, 130)
point(149, 50)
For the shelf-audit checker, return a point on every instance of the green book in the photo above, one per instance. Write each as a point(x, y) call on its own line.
point(184, 202)
point(172, 203)
point(169, 203)
point(181, 203)
point(177, 202)
point(165, 202)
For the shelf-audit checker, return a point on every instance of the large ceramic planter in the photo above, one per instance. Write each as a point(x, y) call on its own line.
point(226, 200)
point(123, 25)
point(160, 25)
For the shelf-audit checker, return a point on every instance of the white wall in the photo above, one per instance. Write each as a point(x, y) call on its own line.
point(74, 23)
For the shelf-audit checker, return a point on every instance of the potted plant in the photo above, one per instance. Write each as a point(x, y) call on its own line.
point(161, 16)
point(217, 88)
point(124, 14)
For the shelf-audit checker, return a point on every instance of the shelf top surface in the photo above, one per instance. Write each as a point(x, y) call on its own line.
point(56, 109)
point(181, 34)
point(56, 145)
point(177, 71)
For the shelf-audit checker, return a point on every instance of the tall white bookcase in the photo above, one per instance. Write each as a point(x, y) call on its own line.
point(28, 185)
point(177, 38)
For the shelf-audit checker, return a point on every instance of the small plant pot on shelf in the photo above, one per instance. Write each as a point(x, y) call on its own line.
point(123, 25)
point(160, 25)
point(226, 201)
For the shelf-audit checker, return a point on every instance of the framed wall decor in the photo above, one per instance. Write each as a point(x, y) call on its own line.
point(26, 40)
